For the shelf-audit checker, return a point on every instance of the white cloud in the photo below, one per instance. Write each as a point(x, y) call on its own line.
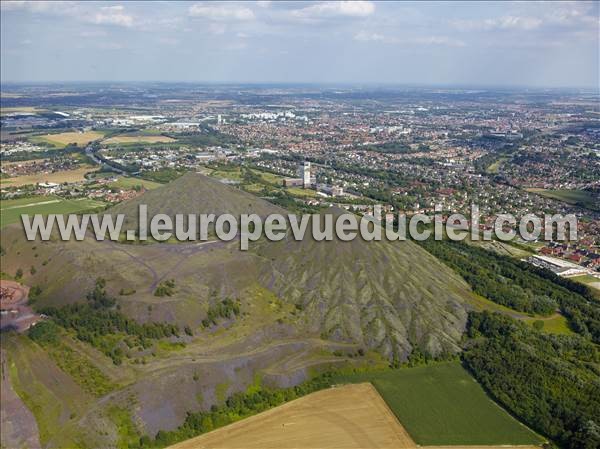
point(365, 36)
point(110, 45)
point(263, 4)
point(93, 33)
point(437, 40)
point(217, 28)
point(168, 40)
point(112, 15)
point(499, 23)
point(223, 12)
point(32, 6)
point(336, 9)
point(104, 15)
point(513, 22)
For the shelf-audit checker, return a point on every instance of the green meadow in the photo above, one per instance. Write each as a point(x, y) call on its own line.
point(11, 210)
point(441, 404)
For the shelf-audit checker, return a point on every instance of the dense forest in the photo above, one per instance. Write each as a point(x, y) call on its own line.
point(551, 382)
point(520, 285)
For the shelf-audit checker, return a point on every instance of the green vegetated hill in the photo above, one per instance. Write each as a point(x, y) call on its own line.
point(274, 315)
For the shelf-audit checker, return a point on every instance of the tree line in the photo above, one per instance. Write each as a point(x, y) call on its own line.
point(236, 407)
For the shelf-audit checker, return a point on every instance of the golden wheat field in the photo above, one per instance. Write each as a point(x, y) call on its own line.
point(63, 139)
point(350, 416)
point(138, 139)
point(57, 177)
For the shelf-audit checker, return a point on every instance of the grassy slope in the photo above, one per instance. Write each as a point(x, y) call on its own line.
point(442, 404)
point(53, 397)
point(555, 324)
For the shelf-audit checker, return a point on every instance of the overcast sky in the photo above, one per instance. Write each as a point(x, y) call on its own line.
point(551, 44)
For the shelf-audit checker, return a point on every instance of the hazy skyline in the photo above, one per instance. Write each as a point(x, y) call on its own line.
point(550, 44)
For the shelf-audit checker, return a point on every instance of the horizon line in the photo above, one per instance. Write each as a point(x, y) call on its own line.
point(311, 83)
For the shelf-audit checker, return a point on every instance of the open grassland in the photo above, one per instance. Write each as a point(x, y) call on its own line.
point(61, 140)
point(129, 183)
point(58, 177)
point(578, 197)
point(235, 174)
point(588, 280)
point(138, 139)
point(441, 404)
point(555, 324)
point(11, 210)
point(503, 248)
point(231, 175)
point(351, 416)
point(494, 168)
point(301, 193)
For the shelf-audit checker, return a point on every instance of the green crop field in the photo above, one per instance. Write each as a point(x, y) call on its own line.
point(11, 210)
point(441, 404)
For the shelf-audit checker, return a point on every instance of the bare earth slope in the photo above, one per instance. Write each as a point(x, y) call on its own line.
point(387, 296)
point(19, 428)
